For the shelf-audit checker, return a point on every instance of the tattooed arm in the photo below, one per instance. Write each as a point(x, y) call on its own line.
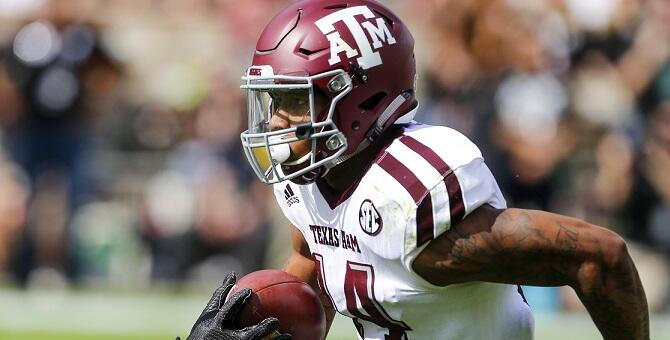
point(543, 249)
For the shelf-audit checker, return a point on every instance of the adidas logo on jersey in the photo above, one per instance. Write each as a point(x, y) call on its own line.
point(291, 198)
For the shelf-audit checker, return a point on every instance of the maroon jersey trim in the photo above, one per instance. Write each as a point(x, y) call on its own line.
point(456, 205)
point(420, 194)
point(334, 198)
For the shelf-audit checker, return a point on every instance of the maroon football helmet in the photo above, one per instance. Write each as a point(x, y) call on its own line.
point(358, 54)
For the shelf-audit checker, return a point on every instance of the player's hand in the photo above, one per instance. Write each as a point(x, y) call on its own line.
point(217, 319)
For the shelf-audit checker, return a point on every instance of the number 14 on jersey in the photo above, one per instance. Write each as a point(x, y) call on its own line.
point(359, 282)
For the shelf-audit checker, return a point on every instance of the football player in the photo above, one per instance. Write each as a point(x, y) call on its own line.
point(399, 225)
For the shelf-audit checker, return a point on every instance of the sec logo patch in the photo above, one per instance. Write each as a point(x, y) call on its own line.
point(369, 218)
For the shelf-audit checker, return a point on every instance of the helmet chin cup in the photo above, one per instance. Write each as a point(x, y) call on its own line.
point(280, 152)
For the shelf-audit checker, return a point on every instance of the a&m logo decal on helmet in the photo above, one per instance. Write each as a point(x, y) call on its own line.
point(377, 30)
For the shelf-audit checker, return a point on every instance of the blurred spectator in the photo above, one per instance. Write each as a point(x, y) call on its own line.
point(206, 205)
point(532, 137)
point(648, 204)
point(56, 67)
point(13, 207)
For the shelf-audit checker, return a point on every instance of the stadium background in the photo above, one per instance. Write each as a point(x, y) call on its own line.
point(124, 197)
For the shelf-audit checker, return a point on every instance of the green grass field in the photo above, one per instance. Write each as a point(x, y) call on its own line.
point(73, 336)
point(153, 316)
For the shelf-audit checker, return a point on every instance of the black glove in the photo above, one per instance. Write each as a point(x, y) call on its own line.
point(216, 321)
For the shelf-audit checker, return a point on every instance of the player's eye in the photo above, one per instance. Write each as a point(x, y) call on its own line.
point(292, 104)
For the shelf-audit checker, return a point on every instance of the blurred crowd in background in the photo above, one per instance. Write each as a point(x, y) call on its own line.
point(120, 159)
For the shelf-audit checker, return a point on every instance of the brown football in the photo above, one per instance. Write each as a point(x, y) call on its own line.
point(285, 297)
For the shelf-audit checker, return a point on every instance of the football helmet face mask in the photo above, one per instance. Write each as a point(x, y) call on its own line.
point(357, 54)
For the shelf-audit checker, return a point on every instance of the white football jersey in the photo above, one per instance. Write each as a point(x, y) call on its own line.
point(364, 241)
